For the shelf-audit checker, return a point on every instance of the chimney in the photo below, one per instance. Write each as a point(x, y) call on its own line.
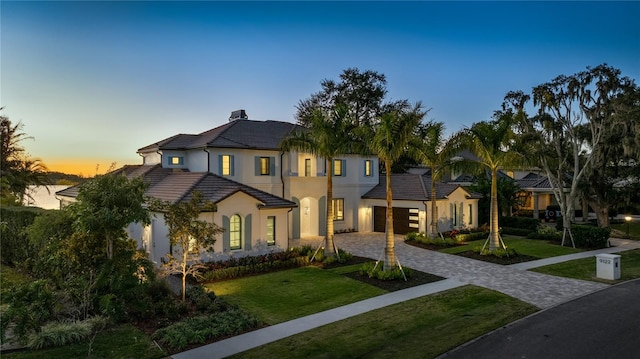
point(238, 115)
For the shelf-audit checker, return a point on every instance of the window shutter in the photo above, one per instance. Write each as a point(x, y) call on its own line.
point(232, 169)
point(220, 165)
point(247, 232)
point(257, 161)
point(272, 164)
point(226, 240)
point(343, 163)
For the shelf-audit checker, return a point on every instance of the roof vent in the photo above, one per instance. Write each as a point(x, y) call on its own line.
point(238, 115)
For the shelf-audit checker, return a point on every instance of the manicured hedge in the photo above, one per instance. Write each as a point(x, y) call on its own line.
point(522, 223)
point(590, 237)
point(14, 246)
point(515, 231)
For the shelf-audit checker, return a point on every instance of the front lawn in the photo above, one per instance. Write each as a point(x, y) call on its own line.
point(285, 295)
point(420, 328)
point(530, 247)
point(124, 341)
point(586, 268)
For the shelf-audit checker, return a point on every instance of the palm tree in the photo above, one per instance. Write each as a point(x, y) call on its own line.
point(393, 136)
point(330, 133)
point(492, 143)
point(435, 152)
point(28, 171)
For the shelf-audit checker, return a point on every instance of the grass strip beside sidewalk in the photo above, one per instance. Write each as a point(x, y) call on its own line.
point(419, 328)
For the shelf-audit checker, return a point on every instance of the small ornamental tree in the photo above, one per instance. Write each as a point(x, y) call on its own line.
point(106, 205)
point(188, 235)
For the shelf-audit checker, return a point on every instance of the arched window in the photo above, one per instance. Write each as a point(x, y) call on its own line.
point(235, 232)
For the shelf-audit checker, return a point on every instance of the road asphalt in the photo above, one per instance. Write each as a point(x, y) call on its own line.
point(604, 324)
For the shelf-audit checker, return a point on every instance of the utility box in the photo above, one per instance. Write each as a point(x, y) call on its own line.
point(608, 266)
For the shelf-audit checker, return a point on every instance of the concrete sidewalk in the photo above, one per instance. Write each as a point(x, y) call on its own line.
point(541, 290)
point(279, 331)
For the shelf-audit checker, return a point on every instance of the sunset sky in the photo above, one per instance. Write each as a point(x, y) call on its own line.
point(94, 81)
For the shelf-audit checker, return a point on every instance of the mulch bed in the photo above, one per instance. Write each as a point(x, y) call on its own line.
point(417, 278)
point(519, 258)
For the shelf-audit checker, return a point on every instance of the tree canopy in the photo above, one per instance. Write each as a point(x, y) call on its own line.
point(107, 204)
point(17, 169)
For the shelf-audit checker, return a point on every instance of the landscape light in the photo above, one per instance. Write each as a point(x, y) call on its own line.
point(628, 219)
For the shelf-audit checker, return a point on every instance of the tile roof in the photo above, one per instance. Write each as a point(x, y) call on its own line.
point(264, 135)
point(413, 187)
point(175, 186)
point(534, 181)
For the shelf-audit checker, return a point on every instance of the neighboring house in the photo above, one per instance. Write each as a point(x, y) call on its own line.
point(537, 193)
point(265, 196)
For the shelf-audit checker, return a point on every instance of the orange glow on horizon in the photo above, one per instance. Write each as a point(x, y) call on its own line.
point(82, 167)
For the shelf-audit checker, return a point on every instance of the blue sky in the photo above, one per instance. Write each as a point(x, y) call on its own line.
point(94, 81)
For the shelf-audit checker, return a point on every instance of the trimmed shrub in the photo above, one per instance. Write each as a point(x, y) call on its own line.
point(498, 252)
point(197, 330)
point(371, 270)
point(515, 231)
point(344, 257)
point(590, 237)
point(546, 233)
point(245, 270)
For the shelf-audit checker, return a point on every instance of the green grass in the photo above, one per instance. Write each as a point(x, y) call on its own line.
point(634, 229)
point(420, 328)
point(11, 278)
point(586, 268)
point(123, 342)
point(285, 295)
point(531, 247)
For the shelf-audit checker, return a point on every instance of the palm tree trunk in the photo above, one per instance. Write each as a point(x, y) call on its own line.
point(494, 230)
point(389, 251)
point(434, 207)
point(109, 247)
point(328, 248)
point(184, 275)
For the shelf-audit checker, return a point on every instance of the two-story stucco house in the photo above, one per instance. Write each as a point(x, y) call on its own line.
point(265, 196)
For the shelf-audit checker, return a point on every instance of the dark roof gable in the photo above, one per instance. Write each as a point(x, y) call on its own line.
point(264, 135)
point(176, 186)
point(413, 187)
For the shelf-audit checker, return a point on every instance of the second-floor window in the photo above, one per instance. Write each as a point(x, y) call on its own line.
point(265, 166)
point(176, 160)
point(338, 209)
point(367, 168)
point(226, 165)
point(339, 169)
point(307, 167)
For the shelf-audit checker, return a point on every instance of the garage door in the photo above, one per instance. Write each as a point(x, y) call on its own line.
point(405, 220)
